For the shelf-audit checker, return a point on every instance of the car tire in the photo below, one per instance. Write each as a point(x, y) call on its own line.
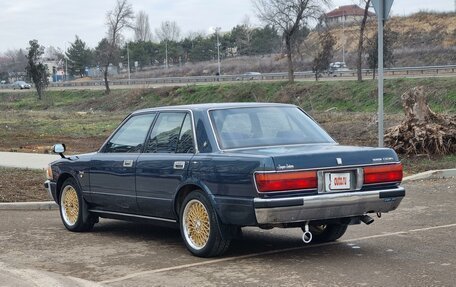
point(326, 232)
point(201, 228)
point(73, 209)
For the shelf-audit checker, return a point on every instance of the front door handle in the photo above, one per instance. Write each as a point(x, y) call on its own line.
point(179, 165)
point(128, 163)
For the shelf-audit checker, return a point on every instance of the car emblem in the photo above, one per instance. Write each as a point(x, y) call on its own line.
point(339, 161)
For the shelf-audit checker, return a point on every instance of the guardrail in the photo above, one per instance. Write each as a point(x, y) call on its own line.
point(266, 77)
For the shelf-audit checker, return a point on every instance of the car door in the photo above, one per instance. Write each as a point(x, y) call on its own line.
point(112, 171)
point(164, 163)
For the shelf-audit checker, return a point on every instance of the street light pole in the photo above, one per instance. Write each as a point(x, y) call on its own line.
point(217, 30)
point(128, 64)
point(66, 63)
point(166, 44)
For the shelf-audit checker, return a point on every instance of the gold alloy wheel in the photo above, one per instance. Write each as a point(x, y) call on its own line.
point(69, 205)
point(196, 224)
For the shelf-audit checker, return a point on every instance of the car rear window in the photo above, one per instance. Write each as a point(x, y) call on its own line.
point(265, 126)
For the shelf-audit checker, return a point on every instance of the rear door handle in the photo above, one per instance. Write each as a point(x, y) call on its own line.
point(179, 165)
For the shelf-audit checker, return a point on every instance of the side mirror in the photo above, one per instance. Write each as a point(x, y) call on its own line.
point(59, 148)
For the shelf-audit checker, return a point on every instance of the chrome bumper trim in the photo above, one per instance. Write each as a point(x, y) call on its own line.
point(327, 206)
point(47, 185)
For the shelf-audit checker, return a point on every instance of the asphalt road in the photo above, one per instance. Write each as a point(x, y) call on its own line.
point(413, 246)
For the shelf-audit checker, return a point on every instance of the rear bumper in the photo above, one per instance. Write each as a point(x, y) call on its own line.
point(51, 187)
point(326, 206)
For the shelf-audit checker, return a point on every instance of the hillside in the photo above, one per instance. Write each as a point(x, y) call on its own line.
point(423, 39)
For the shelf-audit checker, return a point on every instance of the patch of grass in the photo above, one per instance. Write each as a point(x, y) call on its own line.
point(345, 96)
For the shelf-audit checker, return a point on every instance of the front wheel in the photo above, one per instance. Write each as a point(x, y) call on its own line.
point(326, 232)
point(72, 212)
point(200, 227)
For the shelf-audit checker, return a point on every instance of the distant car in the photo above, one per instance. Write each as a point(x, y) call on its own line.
point(250, 76)
point(337, 67)
point(211, 169)
point(21, 85)
point(2, 82)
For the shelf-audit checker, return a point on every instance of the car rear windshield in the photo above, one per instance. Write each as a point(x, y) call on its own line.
point(265, 126)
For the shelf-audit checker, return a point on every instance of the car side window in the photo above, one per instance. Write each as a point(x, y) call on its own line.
point(185, 144)
point(171, 133)
point(131, 136)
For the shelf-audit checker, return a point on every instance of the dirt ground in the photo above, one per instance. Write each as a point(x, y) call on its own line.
point(27, 185)
point(22, 185)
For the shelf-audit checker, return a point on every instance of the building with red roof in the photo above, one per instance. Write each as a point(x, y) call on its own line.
point(346, 14)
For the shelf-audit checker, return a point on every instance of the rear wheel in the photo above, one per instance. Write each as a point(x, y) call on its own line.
point(326, 232)
point(200, 227)
point(73, 211)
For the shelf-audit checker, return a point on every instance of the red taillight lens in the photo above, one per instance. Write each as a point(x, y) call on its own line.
point(383, 173)
point(269, 182)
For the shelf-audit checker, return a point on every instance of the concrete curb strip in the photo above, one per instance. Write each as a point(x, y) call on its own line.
point(51, 205)
point(43, 205)
point(432, 174)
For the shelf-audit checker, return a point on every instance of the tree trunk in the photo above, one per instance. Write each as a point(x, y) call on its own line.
point(359, 63)
point(40, 92)
point(289, 58)
point(108, 90)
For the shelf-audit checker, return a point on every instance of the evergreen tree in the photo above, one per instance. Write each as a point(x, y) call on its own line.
point(35, 69)
point(79, 57)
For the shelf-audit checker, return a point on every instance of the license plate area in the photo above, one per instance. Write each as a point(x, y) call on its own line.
point(340, 180)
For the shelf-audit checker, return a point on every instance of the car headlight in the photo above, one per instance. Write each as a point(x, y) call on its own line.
point(49, 173)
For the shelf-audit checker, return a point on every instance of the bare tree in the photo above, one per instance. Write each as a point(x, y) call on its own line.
point(14, 64)
point(168, 31)
point(142, 27)
point(116, 20)
point(289, 16)
point(359, 60)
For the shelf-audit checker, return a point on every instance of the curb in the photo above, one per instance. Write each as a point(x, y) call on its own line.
point(44, 205)
point(51, 205)
point(432, 174)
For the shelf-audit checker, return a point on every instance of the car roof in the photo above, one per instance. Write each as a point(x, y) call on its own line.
point(209, 106)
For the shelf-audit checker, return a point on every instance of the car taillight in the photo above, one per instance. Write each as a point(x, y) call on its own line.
point(284, 181)
point(383, 173)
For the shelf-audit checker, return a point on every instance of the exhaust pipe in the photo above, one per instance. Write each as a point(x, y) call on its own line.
point(366, 219)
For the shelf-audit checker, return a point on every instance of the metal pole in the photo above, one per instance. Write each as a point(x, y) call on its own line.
point(166, 54)
point(343, 37)
point(66, 63)
point(380, 72)
point(128, 64)
point(217, 30)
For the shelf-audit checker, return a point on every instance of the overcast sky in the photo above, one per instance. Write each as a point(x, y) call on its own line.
point(56, 22)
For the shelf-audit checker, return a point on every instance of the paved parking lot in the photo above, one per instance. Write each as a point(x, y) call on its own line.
point(413, 246)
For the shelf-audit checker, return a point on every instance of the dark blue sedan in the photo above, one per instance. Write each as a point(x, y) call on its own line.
point(214, 168)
